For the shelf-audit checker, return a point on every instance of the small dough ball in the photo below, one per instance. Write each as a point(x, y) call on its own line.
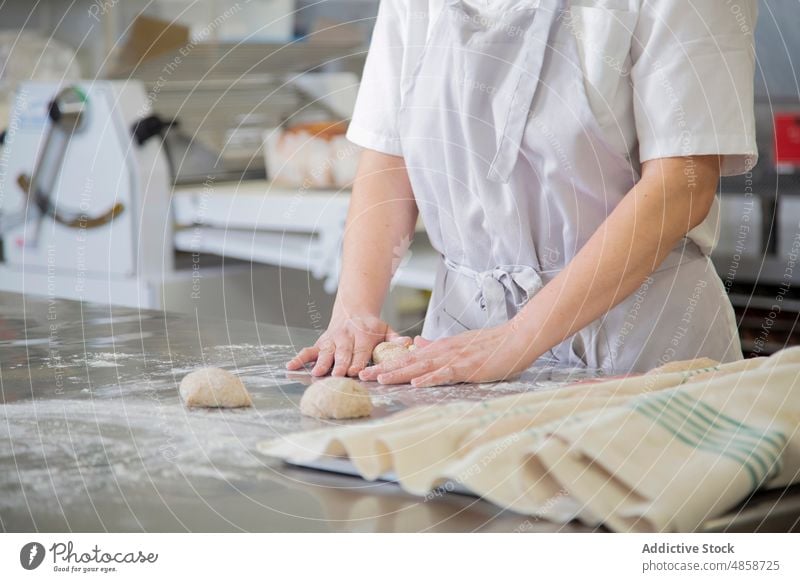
point(685, 366)
point(388, 351)
point(336, 398)
point(214, 388)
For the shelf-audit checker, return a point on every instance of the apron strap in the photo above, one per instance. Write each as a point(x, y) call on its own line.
point(536, 44)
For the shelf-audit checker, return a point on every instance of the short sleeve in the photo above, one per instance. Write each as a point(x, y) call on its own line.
point(692, 73)
point(374, 121)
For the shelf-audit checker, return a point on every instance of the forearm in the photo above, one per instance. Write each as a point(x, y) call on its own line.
point(635, 238)
point(380, 222)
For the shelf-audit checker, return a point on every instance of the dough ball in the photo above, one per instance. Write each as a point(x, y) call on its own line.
point(388, 351)
point(684, 366)
point(336, 398)
point(214, 388)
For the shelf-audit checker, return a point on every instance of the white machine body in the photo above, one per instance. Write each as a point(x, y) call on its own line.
point(122, 261)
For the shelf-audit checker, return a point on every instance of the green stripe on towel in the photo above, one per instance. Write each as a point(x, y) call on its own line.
point(756, 450)
point(658, 419)
point(779, 441)
point(710, 428)
point(701, 437)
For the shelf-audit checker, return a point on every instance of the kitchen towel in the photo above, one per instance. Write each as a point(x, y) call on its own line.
point(658, 452)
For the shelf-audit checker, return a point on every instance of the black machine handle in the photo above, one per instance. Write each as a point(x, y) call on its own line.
point(151, 126)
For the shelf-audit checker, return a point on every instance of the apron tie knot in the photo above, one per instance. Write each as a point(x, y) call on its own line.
point(517, 282)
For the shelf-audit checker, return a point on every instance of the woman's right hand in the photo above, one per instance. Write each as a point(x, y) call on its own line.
point(346, 346)
point(380, 221)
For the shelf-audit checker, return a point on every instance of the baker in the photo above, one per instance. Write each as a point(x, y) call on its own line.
point(564, 157)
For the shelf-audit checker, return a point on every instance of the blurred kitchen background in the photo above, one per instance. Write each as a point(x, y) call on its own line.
point(207, 168)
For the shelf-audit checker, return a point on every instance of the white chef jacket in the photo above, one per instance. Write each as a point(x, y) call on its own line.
point(520, 145)
point(663, 78)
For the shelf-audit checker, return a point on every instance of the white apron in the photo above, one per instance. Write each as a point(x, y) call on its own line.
point(512, 175)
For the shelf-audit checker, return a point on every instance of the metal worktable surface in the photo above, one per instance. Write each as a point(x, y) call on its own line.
point(93, 435)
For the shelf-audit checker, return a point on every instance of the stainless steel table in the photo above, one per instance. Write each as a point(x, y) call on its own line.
point(93, 436)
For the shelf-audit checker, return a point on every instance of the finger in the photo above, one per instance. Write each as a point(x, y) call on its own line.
point(362, 352)
point(391, 335)
point(394, 337)
point(405, 374)
point(343, 356)
point(303, 357)
point(444, 375)
point(324, 360)
point(371, 374)
point(421, 342)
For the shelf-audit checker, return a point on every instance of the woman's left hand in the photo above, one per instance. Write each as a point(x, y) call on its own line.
point(484, 355)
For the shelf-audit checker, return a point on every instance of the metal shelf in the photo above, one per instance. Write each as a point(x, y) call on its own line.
point(225, 95)
point(213, 61)
point(290, 250)
point(259, 222)
point(258, 205)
